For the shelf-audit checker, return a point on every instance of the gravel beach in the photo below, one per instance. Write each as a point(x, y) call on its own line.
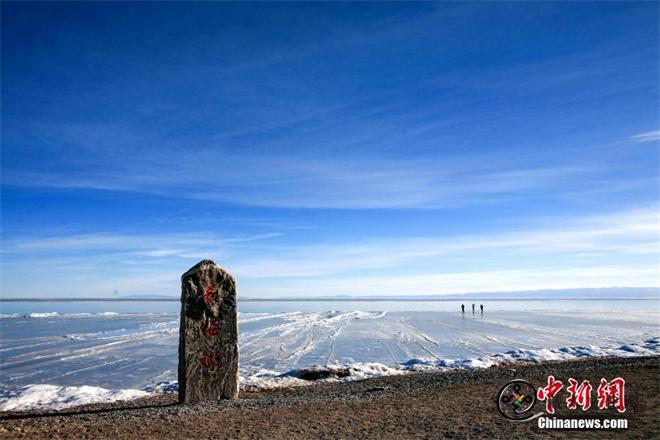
point(458, 404)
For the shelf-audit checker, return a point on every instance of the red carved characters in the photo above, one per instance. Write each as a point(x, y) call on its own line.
point(549, 392)
point(210, 328)
point(211, 361)
point(208, 295)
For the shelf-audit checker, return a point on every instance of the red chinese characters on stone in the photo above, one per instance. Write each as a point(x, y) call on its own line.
point(612, 393)
point(210, 328)
point(579, 395)
point(210, 361)
point(549, 392)
point(208, 295)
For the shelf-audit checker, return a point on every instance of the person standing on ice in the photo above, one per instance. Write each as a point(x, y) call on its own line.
point(462, 308)
point(482, 308)
point(473, 309)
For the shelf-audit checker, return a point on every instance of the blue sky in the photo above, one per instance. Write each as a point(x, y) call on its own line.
point(325, 149)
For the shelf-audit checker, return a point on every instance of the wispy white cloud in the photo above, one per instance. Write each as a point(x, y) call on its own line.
point(164, 244)
point(312, 182)
point(466, 282)
point(620, 235)
point(649, 136)
point(597, 251)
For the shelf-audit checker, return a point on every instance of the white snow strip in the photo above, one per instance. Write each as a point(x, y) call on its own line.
point(9, 315)
point(43, 315)
point(56, 397)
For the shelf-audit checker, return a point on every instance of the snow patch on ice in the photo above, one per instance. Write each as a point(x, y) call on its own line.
point(43, 315)
point(38, 315)
point(9, 315)
point(254, 317)
point(649, 347)
point(57, 397)
point(164, 387)
point(268, 379)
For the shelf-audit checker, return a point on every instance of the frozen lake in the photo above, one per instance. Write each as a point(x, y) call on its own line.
point(129, 345)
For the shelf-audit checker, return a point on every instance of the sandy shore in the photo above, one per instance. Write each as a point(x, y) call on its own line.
point(430, 405)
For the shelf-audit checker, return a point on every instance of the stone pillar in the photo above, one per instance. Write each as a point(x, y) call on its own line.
point(208, 336)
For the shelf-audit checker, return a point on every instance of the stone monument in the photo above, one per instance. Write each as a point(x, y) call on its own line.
point(208, 336)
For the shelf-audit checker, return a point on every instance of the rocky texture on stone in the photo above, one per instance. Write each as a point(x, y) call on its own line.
point(208, 337)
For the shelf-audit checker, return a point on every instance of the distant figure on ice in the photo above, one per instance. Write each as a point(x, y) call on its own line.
point(482, 308)
point(473, 309)
point(462, 308)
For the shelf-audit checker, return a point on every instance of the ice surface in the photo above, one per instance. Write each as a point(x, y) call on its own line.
point(67, 359)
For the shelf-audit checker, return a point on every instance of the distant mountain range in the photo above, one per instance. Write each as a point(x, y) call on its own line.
point(559, 294)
